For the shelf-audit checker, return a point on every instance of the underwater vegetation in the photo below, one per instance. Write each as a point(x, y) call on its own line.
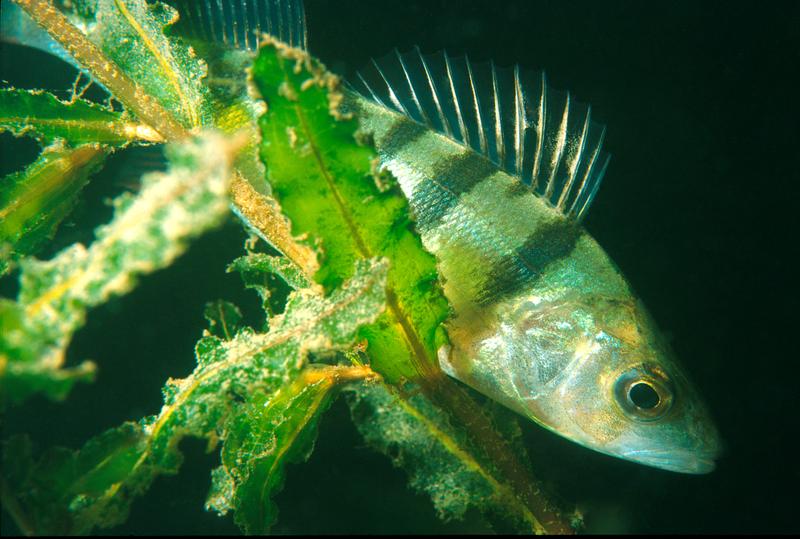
point(364, 300)
point(327, 324)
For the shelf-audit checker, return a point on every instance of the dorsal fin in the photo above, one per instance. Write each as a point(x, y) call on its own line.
point(538, 134)
point(240, 23)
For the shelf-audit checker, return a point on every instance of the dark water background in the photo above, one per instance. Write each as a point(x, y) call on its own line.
point(698, 208)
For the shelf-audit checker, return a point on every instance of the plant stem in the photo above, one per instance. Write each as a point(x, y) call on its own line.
point(87, 54)
point(263, 213)
point(467, 412)
point(258, 209)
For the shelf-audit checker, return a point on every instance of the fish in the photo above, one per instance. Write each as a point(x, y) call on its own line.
point(500, 170)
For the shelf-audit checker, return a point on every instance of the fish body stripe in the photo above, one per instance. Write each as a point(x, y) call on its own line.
point(492, 236)
point(433, 171)
point(400, 134)
point(451, 177)
point(548, 244)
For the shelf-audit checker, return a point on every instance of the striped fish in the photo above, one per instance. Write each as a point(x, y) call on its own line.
point(499, 170)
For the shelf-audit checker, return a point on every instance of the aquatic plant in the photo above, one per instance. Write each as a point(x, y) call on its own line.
point(265, 137)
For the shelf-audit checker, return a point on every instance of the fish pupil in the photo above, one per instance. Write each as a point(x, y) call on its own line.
point(644, 396)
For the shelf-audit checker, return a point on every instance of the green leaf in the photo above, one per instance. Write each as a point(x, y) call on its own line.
point(224, 318)
point(46, 118)
point(33, 202)
point(271, 277)
point(419, 437)
point(73, 492)
point(147, 233)
point(255, 265)
point(258, 271)
point(66, 492)
point(323, 180)
point(130, 33)
point(268, 432)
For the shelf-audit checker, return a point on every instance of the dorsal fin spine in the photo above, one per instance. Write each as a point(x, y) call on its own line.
point(301, 24)
point(374, 96)
point(573, 166)
point(237, 16)
point(214, 34)
point(478, 109)
point(434, 93)
point(574, 208)
point(289, 15)
point(586, 195)
point(392, 95)
point(190, 16)
point(207, 31)
point(561, 140)
point(227, 20)
point(456, 104)
point(593, 191)
point(256, 17)
point(260, 13)
point(201, 26)
point(537, 160)
point(498, 123)
point(279, 20)
point(237, 41)
point(519, 123)
point(240, 23)
point(411, 88)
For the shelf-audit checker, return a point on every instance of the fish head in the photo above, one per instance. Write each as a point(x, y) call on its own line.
point(615, 385)
point(596, 371)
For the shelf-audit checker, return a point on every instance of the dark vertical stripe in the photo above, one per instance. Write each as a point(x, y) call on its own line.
point(402, 133)
point(450, 178)
point(549, 243)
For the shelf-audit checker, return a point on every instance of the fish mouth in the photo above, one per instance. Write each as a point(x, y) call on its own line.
point(681, 461)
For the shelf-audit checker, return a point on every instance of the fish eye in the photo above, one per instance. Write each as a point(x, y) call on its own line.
point(644, 393)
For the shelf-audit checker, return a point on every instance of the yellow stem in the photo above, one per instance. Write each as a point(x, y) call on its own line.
point(88, 55)
point(186, 104)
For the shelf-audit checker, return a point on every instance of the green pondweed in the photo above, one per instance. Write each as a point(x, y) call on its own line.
point(364, 295)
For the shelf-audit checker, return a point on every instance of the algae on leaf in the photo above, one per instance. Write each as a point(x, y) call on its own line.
point(130, 33)
point(258, 264)
point(268, 432)
point(255, 392)
point(147, 233)
point(63, 491)
point(33, 202)
point(76, 136)
point(224, 318)
point(324, 182)
point(420, 438)
point(47, 118)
